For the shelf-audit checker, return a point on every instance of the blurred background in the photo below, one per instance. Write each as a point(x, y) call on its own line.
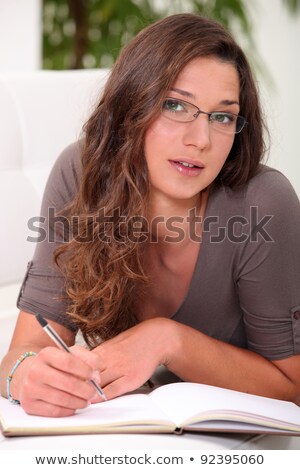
point(76, 34)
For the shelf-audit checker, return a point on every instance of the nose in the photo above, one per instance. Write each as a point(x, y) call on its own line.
point(197, 132)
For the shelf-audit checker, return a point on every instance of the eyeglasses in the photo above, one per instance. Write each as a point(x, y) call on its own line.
point(183, 111)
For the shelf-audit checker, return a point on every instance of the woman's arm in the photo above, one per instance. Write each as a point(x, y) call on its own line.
point(52, 383)
point(129, 359)
point(201, 358)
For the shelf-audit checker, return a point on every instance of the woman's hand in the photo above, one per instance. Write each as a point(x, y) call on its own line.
point(56, 383)
point(128, 360)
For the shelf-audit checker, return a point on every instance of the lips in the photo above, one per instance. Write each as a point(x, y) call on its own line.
point(187, 167)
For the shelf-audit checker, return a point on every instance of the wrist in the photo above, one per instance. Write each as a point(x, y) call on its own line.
point(15, 377)
point(166, 337)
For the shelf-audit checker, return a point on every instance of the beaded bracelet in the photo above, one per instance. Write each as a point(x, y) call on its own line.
point(9, 378)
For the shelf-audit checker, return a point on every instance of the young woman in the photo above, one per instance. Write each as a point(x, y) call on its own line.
point(168, 241)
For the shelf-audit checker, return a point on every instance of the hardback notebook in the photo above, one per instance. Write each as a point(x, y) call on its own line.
point(171, 408)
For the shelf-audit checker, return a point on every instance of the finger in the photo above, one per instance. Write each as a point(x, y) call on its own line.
point(119, 387)
point(42, 408)
point(66, 362)
point(89, 357)
point(116, 372)
point(59, 380)
point(55, 397)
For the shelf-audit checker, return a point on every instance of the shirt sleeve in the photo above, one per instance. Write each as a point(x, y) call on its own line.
point(43, 289)
point(268, 275)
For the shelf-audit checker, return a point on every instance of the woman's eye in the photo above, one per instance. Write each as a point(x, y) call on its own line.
point(223, 118)
point(173, 106)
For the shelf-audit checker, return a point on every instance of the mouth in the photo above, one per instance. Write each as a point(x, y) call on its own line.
point(189, 165)
point(187, 168)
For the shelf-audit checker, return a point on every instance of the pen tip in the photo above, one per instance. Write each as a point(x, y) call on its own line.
point(41, 320)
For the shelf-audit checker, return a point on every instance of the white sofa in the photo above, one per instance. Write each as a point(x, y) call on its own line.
point(40, 114)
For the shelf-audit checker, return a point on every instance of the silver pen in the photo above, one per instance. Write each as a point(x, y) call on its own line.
point(62, 345)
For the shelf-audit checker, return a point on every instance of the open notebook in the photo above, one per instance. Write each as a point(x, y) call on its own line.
point(171, 408)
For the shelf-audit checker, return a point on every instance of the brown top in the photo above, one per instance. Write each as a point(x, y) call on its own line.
point(245, 289)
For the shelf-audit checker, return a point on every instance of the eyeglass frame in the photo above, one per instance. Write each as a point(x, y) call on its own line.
point(199, 111)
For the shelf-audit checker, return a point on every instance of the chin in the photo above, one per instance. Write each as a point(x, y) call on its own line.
point(184, 196)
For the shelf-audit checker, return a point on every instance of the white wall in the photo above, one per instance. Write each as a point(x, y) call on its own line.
point(277, 36)
point(20, 35)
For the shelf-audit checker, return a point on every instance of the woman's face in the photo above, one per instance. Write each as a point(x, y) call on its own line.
point(211, 85)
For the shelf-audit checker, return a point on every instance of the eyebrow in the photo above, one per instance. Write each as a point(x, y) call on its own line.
point(191, 95)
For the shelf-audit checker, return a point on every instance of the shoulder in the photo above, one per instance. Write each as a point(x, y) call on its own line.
point(272, 192)
point(267, 199)
point(270, 201)
point(63, 181)
point(269, 190)
point(68, 162)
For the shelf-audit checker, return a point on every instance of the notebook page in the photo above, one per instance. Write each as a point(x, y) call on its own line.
point(184, 401)
point(128, 409)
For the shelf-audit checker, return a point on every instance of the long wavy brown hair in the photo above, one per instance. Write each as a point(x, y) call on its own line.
point(105, 276)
